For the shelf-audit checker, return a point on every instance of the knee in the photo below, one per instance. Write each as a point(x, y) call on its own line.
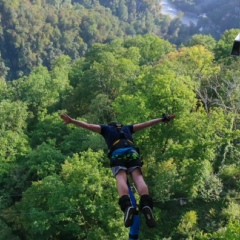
point(121, 176)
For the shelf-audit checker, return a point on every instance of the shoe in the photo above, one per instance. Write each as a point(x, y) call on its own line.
point(150, 221)
point(128, 216)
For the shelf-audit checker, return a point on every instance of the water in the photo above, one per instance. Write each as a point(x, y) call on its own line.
point(169, 9)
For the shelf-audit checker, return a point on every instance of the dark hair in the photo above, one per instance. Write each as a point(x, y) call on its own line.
point(114, 124)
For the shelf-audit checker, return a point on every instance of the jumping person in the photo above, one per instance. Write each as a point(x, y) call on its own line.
point(124, 159)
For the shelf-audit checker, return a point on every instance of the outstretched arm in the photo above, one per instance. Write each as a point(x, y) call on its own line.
point(140, 126)
point(92, 127)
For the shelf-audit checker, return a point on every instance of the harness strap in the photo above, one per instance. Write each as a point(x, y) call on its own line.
point(118, 141)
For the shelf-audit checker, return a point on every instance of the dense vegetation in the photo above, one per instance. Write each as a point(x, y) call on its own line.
point(55, 179)
point(79, 57)
point(36, 32)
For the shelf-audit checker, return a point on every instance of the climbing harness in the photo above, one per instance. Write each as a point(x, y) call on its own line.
point(122, 141)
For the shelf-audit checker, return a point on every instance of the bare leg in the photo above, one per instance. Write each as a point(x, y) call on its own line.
point(124, 200)
point(139, 182)
point(122, 187)
point(146, 202)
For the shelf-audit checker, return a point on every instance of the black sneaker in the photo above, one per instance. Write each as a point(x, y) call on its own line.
point(150, 221)
point(128, 216)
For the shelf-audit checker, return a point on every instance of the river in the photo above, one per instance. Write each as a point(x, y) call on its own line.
point(169, 9)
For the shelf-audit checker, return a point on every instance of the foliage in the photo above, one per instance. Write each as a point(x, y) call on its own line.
point(35, 33)
point(75, 201)
point(206, 40)
point(187, 225)
point(55, 178)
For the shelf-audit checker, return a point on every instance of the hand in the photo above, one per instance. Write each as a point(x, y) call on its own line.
point(67, 119)
point(167, 118)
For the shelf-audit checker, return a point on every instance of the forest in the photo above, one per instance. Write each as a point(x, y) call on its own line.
point(36, 32)
point(56, 183)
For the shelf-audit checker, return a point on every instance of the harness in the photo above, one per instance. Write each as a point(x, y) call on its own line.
point(122, 141)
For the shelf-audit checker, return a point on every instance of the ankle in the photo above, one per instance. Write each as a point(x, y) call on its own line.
point(124, 202)
point(146, 200)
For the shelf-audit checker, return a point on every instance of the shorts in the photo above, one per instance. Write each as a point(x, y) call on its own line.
point(125, 159)
point(116, 169)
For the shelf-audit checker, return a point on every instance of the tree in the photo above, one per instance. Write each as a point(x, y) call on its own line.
point(110, 72)
point(187, 226)
point(6, 231)
point(77, 204)
point(43, 161)
point(5, 92)
point(14, 145)
point(152, 48)
point(122, 10)
point(14, 141)
point(205, 40)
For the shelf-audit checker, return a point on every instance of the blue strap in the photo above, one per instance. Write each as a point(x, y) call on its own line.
point(135, 228)
point(133, 200)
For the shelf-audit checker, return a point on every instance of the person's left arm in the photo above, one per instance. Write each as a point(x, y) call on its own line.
point(140, 126)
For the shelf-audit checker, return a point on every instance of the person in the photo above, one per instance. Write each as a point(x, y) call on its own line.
point(124, 159)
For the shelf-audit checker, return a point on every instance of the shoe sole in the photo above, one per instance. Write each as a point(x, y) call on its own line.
point(128, 219)
point(150, 221)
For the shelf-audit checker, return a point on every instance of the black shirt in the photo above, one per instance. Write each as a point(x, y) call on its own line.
point(111, 134)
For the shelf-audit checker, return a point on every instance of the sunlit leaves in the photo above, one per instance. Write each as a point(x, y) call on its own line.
point(151, 48)
point(196, 62)
point(232, 211)
point(188, 224)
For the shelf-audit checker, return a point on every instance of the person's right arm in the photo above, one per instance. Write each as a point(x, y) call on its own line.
point(89, 126)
